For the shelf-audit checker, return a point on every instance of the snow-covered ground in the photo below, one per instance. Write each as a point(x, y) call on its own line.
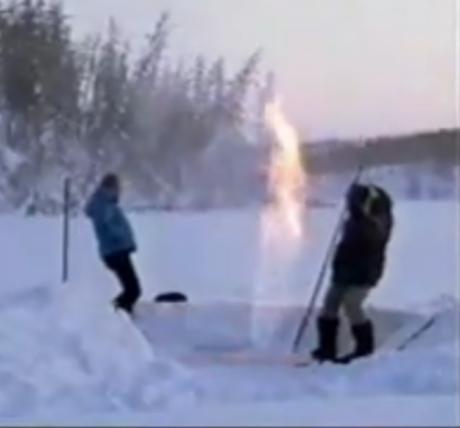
point(67, 358)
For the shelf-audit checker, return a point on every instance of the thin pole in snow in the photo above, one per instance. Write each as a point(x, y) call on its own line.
point(416, 334)
point(65, 230)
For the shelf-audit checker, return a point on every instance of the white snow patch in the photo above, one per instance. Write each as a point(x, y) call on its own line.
point(67, 358)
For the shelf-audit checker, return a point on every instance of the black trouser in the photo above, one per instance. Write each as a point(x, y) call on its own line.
point(121, 265)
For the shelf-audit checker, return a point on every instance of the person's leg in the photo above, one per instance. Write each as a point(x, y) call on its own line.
point(353, 301)
point(123, 268)
point(327, 324)
point(332, 302)
point(361, 325)
point(132, 287)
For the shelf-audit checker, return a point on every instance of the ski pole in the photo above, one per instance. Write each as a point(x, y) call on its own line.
point(323, 269)
point(415, 335)
point(65, 231)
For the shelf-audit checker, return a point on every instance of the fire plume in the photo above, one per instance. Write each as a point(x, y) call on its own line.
point(287, 180)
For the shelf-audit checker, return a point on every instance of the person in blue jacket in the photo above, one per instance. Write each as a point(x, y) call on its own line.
point(115, 239)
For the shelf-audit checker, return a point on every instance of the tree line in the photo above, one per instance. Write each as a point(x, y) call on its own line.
point(415, 166)
point(79, 108)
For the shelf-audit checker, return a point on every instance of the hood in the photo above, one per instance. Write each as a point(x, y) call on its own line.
point(100, 198)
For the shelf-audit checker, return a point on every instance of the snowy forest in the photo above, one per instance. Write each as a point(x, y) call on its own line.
point(79, 109)
point(181, 134)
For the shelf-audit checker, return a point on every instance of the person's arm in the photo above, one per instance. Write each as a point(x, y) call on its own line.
point(111, 220)
point(118, 226)
point(377, 228)
point(360, 227)
point(104, 213)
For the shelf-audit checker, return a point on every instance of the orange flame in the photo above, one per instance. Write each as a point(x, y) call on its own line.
point(281, 222)
point(287, 181)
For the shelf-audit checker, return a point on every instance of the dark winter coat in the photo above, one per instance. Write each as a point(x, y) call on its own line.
point(113, 231)
point(359, 259)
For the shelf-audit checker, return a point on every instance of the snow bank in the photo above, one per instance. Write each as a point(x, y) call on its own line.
point(62, 365)
point(64, 349)
point(395, 411)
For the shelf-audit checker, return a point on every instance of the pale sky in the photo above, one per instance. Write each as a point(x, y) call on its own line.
point(344, 67)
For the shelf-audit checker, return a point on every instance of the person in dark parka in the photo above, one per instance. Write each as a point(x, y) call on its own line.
point(115, 239)
point(357, 266)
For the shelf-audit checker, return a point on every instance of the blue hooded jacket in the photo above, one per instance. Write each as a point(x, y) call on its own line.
point(113, 231)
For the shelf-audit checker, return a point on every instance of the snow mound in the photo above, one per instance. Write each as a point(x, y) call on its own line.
point(63, 348)
point(65, 354)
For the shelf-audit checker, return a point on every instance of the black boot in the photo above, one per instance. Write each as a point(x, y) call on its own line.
point(122, 302)
point(327, 339)
point(363, 335)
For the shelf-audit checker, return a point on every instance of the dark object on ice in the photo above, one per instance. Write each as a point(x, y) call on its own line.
point(360, 255)
point(327, 339)
point(171, 297)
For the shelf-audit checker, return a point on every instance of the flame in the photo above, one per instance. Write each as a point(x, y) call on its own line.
point(287, 181)
point(281, 221)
